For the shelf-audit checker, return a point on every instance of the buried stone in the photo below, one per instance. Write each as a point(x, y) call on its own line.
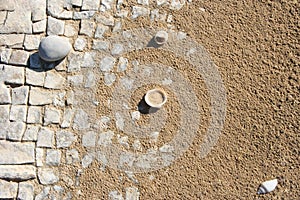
point(54, 48)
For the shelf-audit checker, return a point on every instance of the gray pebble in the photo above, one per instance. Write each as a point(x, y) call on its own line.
point(54, 48)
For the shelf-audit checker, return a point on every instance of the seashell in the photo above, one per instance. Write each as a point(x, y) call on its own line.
point(156, 98)
point(267, 186)
point(161, 37)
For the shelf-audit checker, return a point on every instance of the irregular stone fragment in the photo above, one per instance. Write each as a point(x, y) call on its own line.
point(87, 27)
point(67, 118)
point(45, 138)
point(38, 8)
point(56, 9)
point(132, 193)
point(32, 42)
point(5, 54)
point(13, 24)
point(105, 138)
point(135, 115)
point(15, 131)
point(47, 176)
point(52, 116)
point(80, 44)
point(176, 4)
point(100, 30)
point(62, 66)
point(70, 30)
point(2, 17)
point(122, 13)
point(43, 195)
point(119, 121)
point(89, 139)
point(107, 63)
point(87, 160)
point(83, 15)
point(75, 80)
point(7, 6)
point(100, 45)
point(31, 133)
point(39, 157)
point(137, 146)
point(138, 11)
point(123, 141)
point(40, 96)
point(115, 195)
point(81, 120)
point(88, 59)
point(19, 57)
point(13, 75)
point(70, 97)
point(54, 48)
point(143, 2)
point(18, 113)
point(109, 78)
point(117, 27)
point(170, 18)
point(26, 191)
point(59, 99)
point(90, 4)
point(35, 77)
point(122, 64)
point(34, 115)
point(4, 113)
point(4, 94)
point(64, 139)
point(11, 40)
point(72, 156)
point(8, 189)
point(117, 49)
point(77, 3)
point(53, 157)
point(55, 26)
point(20, 95)
point(75, 61)
point(54, 80)
point(106, 19)
point(102, 123)
point(16, 152)
point(161, 2)
point(17, 172)
point(40, 26)
point(90, 80)
point(4, 130)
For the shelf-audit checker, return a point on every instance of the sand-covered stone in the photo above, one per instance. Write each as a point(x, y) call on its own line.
point(54, 48)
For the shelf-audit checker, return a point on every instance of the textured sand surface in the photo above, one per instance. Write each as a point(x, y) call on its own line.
point(255, 45)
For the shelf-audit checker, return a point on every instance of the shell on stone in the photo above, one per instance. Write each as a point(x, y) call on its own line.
point(161, 37)
point(54, 48)
point(267, 186)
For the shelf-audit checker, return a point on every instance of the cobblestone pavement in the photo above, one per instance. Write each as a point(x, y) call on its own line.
point(40, 107)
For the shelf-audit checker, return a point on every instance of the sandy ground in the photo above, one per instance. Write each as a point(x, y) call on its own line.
point(255, 45)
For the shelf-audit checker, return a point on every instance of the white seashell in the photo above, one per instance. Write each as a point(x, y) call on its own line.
point(156, 98)
point(267, 186)
point(161, 37)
